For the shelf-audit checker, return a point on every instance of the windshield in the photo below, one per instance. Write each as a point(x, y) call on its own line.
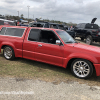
point(65, 37)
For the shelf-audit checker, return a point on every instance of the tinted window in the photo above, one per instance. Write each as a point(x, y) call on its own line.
point(34, 25)
point(1, 22)
point(48, 37)
point(2, 31)
point(34, 35)
point(14, 32)
point(46, 25)
point(40, 25)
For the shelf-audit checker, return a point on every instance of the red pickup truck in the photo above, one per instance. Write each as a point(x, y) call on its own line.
point(53, 46)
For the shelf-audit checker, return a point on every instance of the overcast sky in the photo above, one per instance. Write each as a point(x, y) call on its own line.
point(75, 11)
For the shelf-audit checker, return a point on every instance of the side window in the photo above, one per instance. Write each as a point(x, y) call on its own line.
point(34, 25)
point(34, 35)
point(82, 25)
point(46, 25)
point(14, 32)
point(40, 25)
point(2, 32)
point(48, 37)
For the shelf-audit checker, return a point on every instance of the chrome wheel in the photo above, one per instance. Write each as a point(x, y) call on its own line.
point(88, 40)
point(81, 69)
point(8, 53)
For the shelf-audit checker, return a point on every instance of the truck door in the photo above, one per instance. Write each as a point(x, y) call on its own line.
point(30, 42)
point(47, 50)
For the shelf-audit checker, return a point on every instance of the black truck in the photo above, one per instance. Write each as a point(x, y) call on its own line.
point(51, 25)
point(88, 31)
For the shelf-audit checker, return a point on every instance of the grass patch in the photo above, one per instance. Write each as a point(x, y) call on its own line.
point(23, 68)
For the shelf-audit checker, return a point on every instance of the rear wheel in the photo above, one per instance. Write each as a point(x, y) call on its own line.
point(82, 68)
point(88, 40)
point(8, 53)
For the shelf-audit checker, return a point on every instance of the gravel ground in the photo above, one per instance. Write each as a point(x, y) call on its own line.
point(28, 89)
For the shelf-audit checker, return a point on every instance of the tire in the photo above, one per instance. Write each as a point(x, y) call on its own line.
point(8, 53)
point(82, 68)
point(82, 38)
point(88, 40)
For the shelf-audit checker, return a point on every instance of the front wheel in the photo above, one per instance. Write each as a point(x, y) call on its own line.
point(8, 53)
point(82, 68)
point(88, 40)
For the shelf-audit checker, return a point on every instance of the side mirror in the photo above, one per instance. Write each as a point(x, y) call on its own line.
point(58, 42)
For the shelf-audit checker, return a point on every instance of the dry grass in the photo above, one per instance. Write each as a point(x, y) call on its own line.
point(23, 68)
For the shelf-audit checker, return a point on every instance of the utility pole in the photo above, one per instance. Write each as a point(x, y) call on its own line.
point(28, 11)
point(18, 13)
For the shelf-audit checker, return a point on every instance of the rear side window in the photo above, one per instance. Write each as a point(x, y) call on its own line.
point(34, 35)
point(14, 32)
point(2, 32)
point(1, 22)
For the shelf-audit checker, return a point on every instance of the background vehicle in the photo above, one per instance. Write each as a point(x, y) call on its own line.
point(24, 23)
point(51, 25)
point(7, 22)
point(88, 31)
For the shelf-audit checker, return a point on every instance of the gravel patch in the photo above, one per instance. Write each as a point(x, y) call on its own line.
point(28, 89)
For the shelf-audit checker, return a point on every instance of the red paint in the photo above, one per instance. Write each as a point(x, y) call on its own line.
point(49, 53)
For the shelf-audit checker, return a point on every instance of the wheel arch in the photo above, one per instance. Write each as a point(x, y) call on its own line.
point(72, 59)
point(3, 45)
point(74, 56)
point(87, 33)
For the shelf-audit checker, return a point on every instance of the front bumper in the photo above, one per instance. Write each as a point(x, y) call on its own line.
point(97, 68)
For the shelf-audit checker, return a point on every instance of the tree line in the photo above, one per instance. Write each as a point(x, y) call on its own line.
point(10, 17)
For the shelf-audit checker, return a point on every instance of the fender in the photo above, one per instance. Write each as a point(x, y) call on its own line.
point(8, 44)
point(79, 55)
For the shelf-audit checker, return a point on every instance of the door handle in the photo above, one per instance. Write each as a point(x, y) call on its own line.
point(40, 45)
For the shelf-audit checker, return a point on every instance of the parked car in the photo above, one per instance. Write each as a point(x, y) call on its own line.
point(88, 31)
point(51, 25)
point(24, 23)
point(7, 22)
point(53, 46)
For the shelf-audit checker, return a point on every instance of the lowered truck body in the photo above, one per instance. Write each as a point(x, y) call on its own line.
point(53, 46)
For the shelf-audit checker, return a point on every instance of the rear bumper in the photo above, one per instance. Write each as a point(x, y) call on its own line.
point(97, 68)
